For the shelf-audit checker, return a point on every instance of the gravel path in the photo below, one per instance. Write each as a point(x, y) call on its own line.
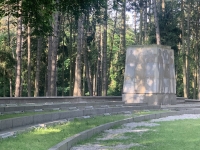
point(128, 128)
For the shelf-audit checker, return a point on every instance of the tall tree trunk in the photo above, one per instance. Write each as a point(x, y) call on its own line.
point(104, 57)
point(8, 27)
point(63, 54)
point(156, 21)
point(188, 50)
point(141, 23)
point(55, 43)
point(71, 58)
point(86, 62)
point(37, 76)
point(99, 69)
point(29, 60)
point(196, 53)
point(48, 89)
point(183, 50)
point(77, 82)
point(18, 52)
point(145, 22)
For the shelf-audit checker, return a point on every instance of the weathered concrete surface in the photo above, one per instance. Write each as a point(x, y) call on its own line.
point(149, 75)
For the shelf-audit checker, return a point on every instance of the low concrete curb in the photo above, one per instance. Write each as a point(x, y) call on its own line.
point(71, 141)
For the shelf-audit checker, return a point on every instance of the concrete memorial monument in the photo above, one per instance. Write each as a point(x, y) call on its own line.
point(149, 75)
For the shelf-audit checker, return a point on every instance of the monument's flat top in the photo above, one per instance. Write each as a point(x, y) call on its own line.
point(152, 45)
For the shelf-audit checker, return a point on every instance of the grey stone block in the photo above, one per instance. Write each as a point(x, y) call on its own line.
point(82, 136)
point(115, 110)
point(90, 133)
point(47, 117)
point(13, 108)
point(26, 108)
point(138, 118)
point(107, 126)
point(173, 113)
point(197, 111)
point(157, 116)
point(17, 122)
point(189, 111)
point(98, 129)
point(108, 110)
point(89, 112)
point(152, 116)
point(129, 120)
point(38, 119)
point(62, 145)
point(38, 107)
point(165, 114)
point(120, 122)
point(146, 117)
point(28, 120)
point(98, 111)
point(64, 115)
point(1, 109)
point(55, 116)
point(71, 142)
point(5, 124)
point(77, 113)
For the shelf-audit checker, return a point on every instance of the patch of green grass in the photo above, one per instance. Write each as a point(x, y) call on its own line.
point(171, 135)
point(174, 135)
point(44, 138)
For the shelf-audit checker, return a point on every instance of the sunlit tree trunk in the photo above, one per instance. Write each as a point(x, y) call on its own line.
point(71, 56)
point(188, 50)
point(29, 60)
point(183, 50)
point(104, 57)
point(141, 22)
point(48, 89)
point(145, 22)
point(99, 69)
point(37, 76)
point(156, 21)
point(77, 81)
point(18, 52)
point(55, 43)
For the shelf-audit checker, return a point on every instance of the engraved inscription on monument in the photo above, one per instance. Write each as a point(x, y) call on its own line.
point(149, 75)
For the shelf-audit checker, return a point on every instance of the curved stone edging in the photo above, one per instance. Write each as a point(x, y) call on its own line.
point(71, 141)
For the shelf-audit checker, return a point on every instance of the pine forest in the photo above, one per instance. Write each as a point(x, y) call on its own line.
point(78, 47)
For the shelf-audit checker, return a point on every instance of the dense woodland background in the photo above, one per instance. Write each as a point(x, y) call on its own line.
point(77, 47)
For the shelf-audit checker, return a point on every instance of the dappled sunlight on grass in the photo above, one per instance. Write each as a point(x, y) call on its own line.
point(46, 131)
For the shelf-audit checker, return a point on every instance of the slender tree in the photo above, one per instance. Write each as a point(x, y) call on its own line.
point(18, 52)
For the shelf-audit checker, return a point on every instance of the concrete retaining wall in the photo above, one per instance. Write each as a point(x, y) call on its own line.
point(24, 107)
point(19, 100)
point(35, 119)
point(69, 142)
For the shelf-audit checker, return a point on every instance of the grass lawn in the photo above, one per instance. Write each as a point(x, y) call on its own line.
point(171, 135)
point(44, 138)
